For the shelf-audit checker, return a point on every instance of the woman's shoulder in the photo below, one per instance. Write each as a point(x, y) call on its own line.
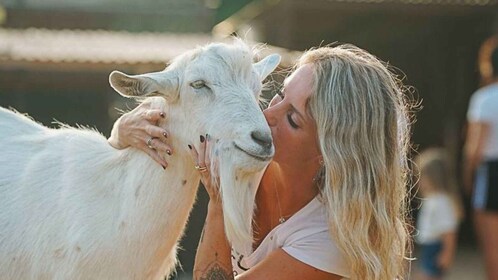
point(310, 219)
point(308, 230)
point(307, 238)
point(486, 93)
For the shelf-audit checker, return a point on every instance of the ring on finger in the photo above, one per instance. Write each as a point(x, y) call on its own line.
point(149, 143)
point(201, 168)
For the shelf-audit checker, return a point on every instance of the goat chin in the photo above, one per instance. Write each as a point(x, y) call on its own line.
point(238, 188)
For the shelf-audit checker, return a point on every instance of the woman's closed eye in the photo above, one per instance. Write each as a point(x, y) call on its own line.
point(291, 121)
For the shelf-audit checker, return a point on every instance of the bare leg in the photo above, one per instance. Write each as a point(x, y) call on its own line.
point(489, 239)
point(478, 224)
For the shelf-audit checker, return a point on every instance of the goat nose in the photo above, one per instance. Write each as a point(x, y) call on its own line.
point(262, 138)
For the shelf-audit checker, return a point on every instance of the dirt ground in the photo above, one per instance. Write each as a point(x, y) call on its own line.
point(468, 265)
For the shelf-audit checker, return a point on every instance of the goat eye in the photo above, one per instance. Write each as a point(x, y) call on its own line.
point(198, 84)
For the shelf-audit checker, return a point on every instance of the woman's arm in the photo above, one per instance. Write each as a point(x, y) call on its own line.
point(213, 258)
point(477, 134)
point(281, 266)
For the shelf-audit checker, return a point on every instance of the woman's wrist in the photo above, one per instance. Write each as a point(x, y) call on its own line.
point(215, 206)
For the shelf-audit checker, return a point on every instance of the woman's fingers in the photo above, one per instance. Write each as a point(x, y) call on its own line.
point(153, 154)
point(138, 128)
point(154, 143)
point(141, 127)
point(194, 154)
point(199, 156)
point(157, 132)
point(207, 152)
point(154, 115)
point(202, 151)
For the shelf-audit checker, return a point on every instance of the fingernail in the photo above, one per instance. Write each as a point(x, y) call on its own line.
point(202, 138)
point(168, 152)
point(164, 167)
point(165, 135)
point(190, 147)
point(207, 137)
point(161, 114)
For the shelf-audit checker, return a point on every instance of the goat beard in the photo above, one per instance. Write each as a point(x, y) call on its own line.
point(238, 188)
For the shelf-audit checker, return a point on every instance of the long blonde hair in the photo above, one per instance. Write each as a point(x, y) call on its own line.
point(363, 125)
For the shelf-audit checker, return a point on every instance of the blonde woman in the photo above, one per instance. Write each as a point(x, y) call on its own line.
point(332, 203)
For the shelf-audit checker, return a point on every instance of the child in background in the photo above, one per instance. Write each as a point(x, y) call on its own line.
point(439, 215)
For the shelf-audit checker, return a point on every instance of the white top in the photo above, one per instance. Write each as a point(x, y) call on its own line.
point(437, 217)
point(305, 237)
point(483, 107)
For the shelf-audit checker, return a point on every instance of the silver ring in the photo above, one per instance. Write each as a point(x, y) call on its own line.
point(149, 143)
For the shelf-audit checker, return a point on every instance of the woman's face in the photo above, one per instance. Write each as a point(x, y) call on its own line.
point(292, 127)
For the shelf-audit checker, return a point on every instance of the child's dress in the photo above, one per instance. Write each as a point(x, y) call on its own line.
point(437, 217)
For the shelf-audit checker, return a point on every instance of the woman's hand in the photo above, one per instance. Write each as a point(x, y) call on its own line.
point(203, 164)
point(138, 128)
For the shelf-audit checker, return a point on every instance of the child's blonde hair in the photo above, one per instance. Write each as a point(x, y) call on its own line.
point(434, 165)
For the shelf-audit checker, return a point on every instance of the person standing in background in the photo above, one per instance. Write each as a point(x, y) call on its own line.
point(481, 166)
point(439, 216)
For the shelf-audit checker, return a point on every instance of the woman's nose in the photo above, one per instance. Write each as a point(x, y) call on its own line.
point(272, 111)
point(268, 117)
point(271, 115)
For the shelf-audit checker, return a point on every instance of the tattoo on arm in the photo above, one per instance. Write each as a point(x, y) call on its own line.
point(216, 272)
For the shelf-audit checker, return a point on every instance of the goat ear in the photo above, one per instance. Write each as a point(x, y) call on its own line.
point(162, 83)
point(266, 65)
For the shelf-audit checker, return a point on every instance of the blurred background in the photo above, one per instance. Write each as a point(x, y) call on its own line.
point(56, 55)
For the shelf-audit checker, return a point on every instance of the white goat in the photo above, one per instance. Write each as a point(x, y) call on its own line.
point(72, 207)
